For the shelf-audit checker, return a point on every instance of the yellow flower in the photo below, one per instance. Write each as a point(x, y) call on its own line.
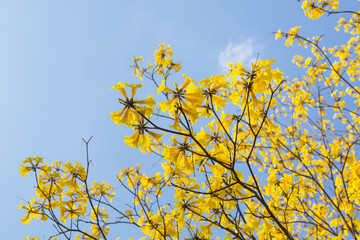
point(102, 190)
point(34, 165)
point(184, 100)
point(212, 92)
point(179, 154)
point(311, 9)
point(141, 139)
point(291, 36)
point(32, 211)
point(163, 61)
point(74, 173)
point(128, 212)
point(97, 214)
point(315, 8)
point(250, 84)
point(128, 113)
point(279, 34)
point(51, 178)
point(71, 210)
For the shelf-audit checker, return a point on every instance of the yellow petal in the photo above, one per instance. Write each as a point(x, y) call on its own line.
point(120, 87)
point(163, 88)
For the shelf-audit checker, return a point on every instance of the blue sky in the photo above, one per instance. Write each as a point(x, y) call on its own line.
point(59, 59)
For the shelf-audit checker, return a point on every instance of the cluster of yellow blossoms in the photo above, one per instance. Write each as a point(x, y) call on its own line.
point(316, 8)
point(64, 197)
point(246, 155)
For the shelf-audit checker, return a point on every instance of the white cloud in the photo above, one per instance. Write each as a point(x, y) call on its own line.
point(244, 51)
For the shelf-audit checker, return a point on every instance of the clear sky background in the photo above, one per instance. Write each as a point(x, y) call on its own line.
point(59, 59)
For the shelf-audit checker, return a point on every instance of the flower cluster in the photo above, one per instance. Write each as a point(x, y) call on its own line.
point(64, 197)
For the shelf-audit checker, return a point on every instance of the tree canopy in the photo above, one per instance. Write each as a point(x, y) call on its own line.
point(250, 154)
